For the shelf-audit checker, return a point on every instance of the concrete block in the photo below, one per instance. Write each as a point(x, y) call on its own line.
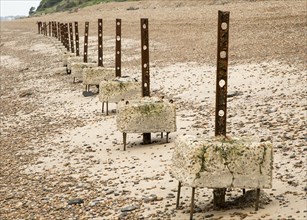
point(94, 75)
point(120, 88)
point(74, 59)
point(77, 68)
point(222, 163)
point(65, 56)
point(149, 114)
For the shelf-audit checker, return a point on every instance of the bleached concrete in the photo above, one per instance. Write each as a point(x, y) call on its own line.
point(94, 75)
point(149, 114)
point(73, 59)
point(77, 69)
point(65, 56)
point(120, 88)
point(222, 163)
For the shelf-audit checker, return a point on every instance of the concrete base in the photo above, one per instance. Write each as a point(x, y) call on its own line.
point(65, 56)
point(222, 163)
point(73, 59)
point(77, 69)
point(120, 88)
point(147, 115)
point(94, 75)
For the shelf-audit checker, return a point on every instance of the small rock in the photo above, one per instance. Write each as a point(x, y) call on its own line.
point(26, 93)
point(234, 93)
point(128, 208)
point(75, 201)
point(150, 198)
point(170, 196)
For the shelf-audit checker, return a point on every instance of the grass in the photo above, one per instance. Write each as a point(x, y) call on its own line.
point(50, 6)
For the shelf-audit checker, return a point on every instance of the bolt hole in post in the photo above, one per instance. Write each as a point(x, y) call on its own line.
point(221, 113)
point(223, 54)
point(222, 83)
point(224, 25)
point(118, 38)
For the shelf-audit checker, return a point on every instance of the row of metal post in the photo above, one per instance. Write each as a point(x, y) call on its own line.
point(64, 33)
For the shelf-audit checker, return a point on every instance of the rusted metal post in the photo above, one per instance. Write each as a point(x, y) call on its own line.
point(72, 49)
point(67, 36)
point(145, 68)
point(221, 90)
point(49, 28)
point(52, 29)
point(86, 41)
point(59, 31)
point(77, 38)
point(39, 27)
point(45, 29)
point(100, 46)
point(55, 30)
point(62, 34)
point(118, 41)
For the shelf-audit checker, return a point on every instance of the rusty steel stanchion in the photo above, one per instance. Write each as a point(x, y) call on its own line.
point(85, 41)
point(52, 29)
point(59, 31)
point(72, 49)
point(221, 90)
point(62, 34)
point(67, 36)
point(77, 38)
point(100, 46)
point(145, 68)
point(49, 27)
point(45, 29)
point(39, 24)
point(55, 30)
point(118, 41)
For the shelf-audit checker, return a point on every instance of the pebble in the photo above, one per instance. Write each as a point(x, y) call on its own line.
point(128, 208)
point(75, 201)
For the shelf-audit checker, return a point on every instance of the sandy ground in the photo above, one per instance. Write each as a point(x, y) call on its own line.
point(56, 145)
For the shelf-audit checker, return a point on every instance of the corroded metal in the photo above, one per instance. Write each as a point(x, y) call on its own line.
point(118, 41)
point(45, 29)
point(221, 74)
point(59, 31)
point(221, 90)
point(72, 48)
point(39, 26)
point(62, 34)
point(100, 46)
point(77, 38)
point(49, 27)
point(85, 41)
point(55, 30)
point(67, 36)
point(145, 68)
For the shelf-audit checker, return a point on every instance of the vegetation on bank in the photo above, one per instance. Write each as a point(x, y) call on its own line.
point(50, 6)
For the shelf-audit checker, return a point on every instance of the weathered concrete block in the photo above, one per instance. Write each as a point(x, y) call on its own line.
point(120, 88)
point(77, 68)
point(65, 56)
point(149, 114)
point(74, 59)
point(222, 163)
point(94, 75)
